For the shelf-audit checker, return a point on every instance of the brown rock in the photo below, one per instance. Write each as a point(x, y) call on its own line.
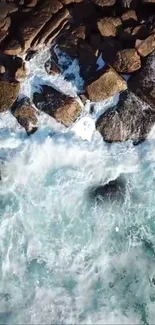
point(107, 27)
point(63, 108)
point(148, 1)
point(26, 116)
point(32, 3)
point(129, 121)
point(143, 84)
point(54, 24)
point(127, 61)
point(129, 15)
point(8, 94)
point(52, 68)
point(5, 24)
point(106, 85)
point(38, 19)
point(2, 69)
point(146, 46)
point(67, 2)
point(104, 3)
point(79, 32)
point(21, 72)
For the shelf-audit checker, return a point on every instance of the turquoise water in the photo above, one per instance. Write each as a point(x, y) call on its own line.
point(66, 258)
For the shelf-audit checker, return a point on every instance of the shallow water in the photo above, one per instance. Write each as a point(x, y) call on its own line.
point(66, 258)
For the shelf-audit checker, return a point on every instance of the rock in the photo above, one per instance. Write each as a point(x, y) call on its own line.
point(87, 60)
point(21, 72)
point(38, 19)
point(7, 8)
point(2, 69)
point(12, 47)
point(133, 4)
point(8, 94)
point(127, 61)
point(95, 41)
point(26, 115)
point(148, 1)
point(104, 3)
point(63, 108)
point(3, 34)
point(143, 84)
point(32, 3)
point(5, 24)
point(30, 55)
point(78, 32)
point(107, 27)
point(114, 190)
point(52, 68)
point(67, 2)
point(129, 17)
point(54, 24)
point(147, 46)
point(12, 64)
point(106, 85)
point(110, 48)
point(129, 121)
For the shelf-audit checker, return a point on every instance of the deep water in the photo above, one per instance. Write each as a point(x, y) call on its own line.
point(68, 257)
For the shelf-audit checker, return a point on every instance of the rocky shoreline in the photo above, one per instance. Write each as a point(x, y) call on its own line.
point(121, 32)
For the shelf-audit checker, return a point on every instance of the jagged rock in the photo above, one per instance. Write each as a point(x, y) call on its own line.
point(104, 3)
point(147, 46)
point(129, 121)
point(107, 27)
point(143, 84)
point(127, 61)
point(31, 27)
point(106, 85)
point(26, 115)
point(63, 108)
point(53, 26)
point(8, 94)
point(52, 68)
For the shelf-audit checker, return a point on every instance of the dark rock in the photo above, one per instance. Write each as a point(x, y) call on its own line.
point(109, 48)
point(30, 55)
point(147, 46)
point(26, 115)
point(82, 12)
point(143, 84)
point(63, 108)
point(115, 190)
point(133, 4)
point(104, 3)
point(107, 84)
point(127, 61)
point(67, 2)
point(129, 18)
point(131, 120)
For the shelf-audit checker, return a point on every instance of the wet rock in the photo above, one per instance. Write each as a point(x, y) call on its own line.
point(131, 120)
point(63, 108)
point(107, 84)
point(147, 46)
point(104, 3)
point(127, 61)
point(52, 68)
point(26, 115)
point(8, 94)
point(114, 190)
point(143, 84)
point(30, 55)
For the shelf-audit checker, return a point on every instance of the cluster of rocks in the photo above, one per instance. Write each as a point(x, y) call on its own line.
point(121, 31)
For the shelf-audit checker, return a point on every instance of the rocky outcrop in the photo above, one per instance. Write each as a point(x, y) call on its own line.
point(63, 108)
point(26, 115)
point(8, 93)
point(107, 84)
point(127, 61)
point(128, 121)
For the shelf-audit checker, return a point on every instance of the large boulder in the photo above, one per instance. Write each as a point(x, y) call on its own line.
point(132, 119)
point(143, 84)
point(127, 61)
point(107, 84)
point(26, 115)
point(8, 93)
point(63, 108)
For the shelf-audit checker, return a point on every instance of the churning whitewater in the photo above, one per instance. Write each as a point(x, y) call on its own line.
point(65, 256)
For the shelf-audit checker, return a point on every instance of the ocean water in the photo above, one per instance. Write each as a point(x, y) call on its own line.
point(66, 257)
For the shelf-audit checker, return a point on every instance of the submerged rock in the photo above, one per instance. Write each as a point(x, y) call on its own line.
point(113, 190)
point(106, 85)
point(131, 120)
point(63, 108)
